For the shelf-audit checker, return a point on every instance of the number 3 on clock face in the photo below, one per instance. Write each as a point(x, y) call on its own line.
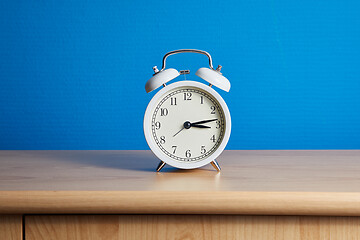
point(187, 124)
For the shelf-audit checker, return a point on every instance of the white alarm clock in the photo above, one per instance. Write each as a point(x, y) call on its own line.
point(187, 124)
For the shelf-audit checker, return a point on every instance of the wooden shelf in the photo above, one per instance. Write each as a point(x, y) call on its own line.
point(125, 182)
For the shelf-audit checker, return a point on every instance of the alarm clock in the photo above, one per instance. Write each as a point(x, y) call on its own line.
point(187, 124)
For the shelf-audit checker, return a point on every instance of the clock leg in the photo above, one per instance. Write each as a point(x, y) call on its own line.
point(160, 166)
point(216, 165)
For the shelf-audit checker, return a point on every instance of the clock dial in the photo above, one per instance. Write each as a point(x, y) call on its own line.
point(188, 124)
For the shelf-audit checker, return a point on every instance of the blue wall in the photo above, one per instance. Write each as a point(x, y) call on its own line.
point(72, 73)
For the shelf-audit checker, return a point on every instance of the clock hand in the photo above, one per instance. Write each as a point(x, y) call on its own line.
point(204, 121)
point(188, 125)
point(179, 131)
point(199, 126)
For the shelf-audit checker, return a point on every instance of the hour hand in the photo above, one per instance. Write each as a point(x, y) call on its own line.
point(199, 126)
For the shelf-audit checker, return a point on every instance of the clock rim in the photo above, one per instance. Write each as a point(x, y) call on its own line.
point(156, 150)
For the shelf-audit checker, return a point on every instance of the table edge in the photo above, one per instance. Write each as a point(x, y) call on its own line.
point(180, 202)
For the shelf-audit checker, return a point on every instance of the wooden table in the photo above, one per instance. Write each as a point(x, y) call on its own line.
point(118, 195)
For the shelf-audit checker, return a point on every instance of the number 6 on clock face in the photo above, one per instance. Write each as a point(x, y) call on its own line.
point(187, 124)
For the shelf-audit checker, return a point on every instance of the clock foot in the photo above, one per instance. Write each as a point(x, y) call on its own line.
point(216, 165)
point(160, 166)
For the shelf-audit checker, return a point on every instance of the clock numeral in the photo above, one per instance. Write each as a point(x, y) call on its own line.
point(173, 101)
point(187, 153)
point(203, 150)
point(174, 147)
point(212, 109)
point(213, 138)
point(162, 139)
point(187, 96)
point(218, 124)
point(157, 125)
point(201, 99)
point(164, 112)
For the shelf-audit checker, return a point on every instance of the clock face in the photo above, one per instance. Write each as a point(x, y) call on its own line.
point(187, 124)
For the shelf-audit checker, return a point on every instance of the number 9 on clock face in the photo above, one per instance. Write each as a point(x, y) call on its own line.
point(187, 124)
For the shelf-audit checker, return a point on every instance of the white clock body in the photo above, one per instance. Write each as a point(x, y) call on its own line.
point(191, 102)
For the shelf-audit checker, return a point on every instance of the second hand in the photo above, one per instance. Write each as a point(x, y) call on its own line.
point(179, 131)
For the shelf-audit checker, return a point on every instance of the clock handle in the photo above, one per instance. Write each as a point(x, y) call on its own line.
point(188, 50)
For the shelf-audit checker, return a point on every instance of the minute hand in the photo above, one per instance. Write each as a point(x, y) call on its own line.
point(204, 121)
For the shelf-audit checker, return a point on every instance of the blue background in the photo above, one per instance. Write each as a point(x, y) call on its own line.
point(72, 73)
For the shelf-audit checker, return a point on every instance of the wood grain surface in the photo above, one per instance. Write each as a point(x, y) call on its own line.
point(134, 202)
point(11, 227)
point(269, 171)
point(251, 182)
point(209, 227)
